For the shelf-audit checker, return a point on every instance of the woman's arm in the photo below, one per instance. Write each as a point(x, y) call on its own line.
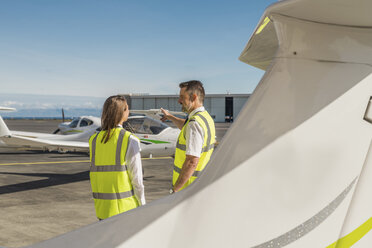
point(134, 164)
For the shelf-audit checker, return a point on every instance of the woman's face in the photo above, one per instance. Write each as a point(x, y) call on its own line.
point(125, 114)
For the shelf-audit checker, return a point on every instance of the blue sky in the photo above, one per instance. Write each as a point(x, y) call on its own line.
point(99, 48)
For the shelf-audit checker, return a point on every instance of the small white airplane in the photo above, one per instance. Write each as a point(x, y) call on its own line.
point(157, 139)
point(85, 123)
point(79, 125)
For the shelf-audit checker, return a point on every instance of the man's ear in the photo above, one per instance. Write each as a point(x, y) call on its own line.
point(193, 97)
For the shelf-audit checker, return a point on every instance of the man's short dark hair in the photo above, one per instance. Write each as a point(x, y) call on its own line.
point(194, 87)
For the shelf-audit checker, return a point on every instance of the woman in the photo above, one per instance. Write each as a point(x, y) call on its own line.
point(116, 168)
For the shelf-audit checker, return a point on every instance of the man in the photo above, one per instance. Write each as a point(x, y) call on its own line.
point(196, 141)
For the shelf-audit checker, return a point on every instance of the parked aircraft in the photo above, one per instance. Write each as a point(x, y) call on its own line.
point(85, 123)
point(79, 125)
point(157, 138)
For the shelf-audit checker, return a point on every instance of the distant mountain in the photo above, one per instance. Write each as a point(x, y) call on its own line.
point(50, 105)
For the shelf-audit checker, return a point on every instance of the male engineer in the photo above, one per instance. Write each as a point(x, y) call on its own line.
point(195, 143)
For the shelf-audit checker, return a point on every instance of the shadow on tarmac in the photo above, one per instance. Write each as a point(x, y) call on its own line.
point(51, 180)
point(71, 156)
point(60, 155)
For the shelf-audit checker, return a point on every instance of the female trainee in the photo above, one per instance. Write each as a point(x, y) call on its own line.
point(116, 168)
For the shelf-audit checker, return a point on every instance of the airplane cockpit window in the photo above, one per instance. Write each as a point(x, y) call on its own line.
point(134, 125)
point(85, 122)
point(144, 125)
point(74, 123)
point(154, 126)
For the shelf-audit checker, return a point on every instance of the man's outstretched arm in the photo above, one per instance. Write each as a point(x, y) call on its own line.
point(176, 121)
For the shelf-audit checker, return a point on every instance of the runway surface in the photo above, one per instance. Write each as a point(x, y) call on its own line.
point(43, 195)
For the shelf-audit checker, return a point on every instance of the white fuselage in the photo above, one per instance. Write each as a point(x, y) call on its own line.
point(159, 144)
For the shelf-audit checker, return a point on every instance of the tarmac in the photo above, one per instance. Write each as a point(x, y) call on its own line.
point(46, 194)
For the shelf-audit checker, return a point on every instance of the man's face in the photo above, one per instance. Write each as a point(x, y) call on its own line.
point(185, 101)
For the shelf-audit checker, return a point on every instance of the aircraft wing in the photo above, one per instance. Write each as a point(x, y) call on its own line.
point(151, 145)
point(156, 113)
point(17, 139)
point(148, 149)
point(263, 45)
point(44, 144)
point(7, 109)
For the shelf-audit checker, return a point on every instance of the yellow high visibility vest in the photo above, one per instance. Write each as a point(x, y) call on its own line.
point(111, 185)
point(206, 122)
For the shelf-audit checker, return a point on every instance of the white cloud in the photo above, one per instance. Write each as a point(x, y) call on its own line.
point(12, 104)
point(23, 101)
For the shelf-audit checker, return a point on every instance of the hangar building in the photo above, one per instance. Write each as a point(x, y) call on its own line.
point(222, 107)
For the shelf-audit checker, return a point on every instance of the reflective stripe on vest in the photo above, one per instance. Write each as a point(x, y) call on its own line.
point(195, 174)
point(206, 123)
point(112, 196)
point(206, 148)
point(107, 168)
point(110, 168)
point(111, 186)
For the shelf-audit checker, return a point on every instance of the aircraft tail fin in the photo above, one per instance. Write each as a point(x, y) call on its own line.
point(4, 130)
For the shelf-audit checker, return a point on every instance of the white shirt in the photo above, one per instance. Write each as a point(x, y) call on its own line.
point(194, 135)
point(134, 165)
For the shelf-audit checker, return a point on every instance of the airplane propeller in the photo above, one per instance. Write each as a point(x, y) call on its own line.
point(63, 115)
point(63, 120)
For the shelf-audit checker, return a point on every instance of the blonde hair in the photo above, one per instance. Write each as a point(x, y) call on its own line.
point(112, 113)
